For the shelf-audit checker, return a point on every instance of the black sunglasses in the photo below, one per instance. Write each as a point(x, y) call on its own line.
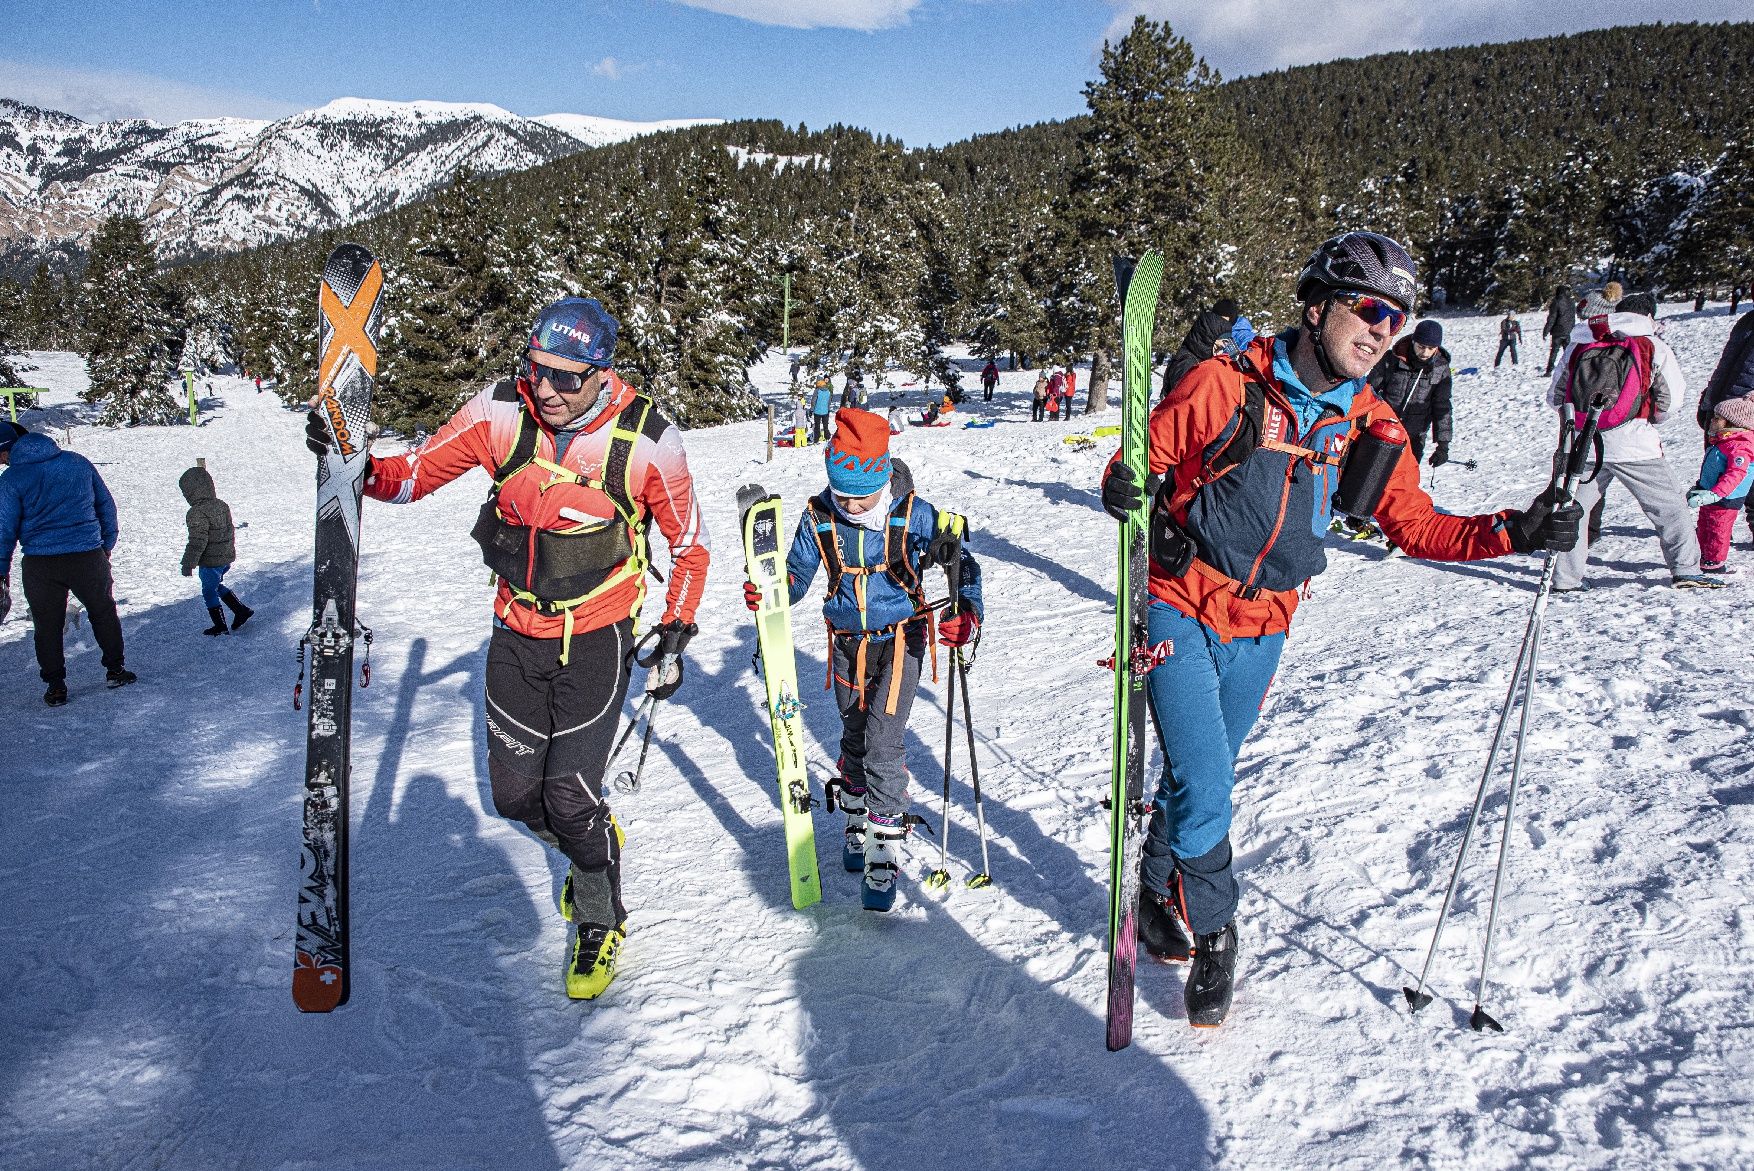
point(565, 381)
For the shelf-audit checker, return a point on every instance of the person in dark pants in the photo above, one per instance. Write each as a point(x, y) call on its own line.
point(989, 380)
point(1509, 334)
point(584, 468)
point(1561, 319)
point(1414, 378)
point(874, 538)
point(55, 505)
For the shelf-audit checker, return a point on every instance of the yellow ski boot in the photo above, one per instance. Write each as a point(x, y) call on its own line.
point(595, 952)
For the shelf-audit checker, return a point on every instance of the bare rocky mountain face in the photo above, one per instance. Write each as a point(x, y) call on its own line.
point(223, 184)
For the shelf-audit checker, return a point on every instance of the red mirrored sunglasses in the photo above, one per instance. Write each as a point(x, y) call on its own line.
point(1372, 309)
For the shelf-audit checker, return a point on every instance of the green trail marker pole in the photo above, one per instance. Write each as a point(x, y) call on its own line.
point(189, 389)
point(12, 393)
point(786, 323)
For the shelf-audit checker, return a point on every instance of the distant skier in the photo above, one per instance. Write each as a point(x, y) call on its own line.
point(800, 421)
point(584, 466)
point(989, 380)
point(1039, 397)
point(1510, 332)
point(1561, 318)
point(821, 404)
point(1222, 601)
point(57, 508)
point(796, 365)
point(211, 549)
point(1069, 395)
point(875, 538)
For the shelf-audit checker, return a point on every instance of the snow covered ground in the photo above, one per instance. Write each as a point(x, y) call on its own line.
point(148, 859)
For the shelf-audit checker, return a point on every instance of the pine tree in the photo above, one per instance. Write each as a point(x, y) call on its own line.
point(1144, 180)
point(11, 313)
point(132, 332)
point(42, 318)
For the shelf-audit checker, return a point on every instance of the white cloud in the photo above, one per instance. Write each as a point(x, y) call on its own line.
point(608, 67)
point(1254, 36)
point(103, 96)
point(863, 15)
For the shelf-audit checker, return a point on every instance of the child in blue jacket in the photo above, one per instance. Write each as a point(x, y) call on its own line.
point(875, 538)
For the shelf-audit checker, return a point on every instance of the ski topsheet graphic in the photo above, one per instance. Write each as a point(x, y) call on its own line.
point(347, 363)
point(1138, 285)
point(765, 560)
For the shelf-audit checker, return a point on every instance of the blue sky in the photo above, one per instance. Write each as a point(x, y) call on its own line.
point(926, 71)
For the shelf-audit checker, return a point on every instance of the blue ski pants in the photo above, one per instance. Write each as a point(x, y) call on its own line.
point(1205, 696)
point(212, 592)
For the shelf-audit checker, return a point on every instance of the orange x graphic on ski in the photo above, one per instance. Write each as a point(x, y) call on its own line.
point(349, 325)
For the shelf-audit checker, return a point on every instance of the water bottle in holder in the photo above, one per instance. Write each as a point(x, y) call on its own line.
point(1368, 465)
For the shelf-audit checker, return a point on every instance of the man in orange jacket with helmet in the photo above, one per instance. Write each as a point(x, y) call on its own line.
point(1245, 456)
point(582, 465)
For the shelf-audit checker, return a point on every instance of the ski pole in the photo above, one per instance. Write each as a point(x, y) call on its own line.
point(941, 876)
point(1568, 459)
point(985, 877)
point(628, 782)
point(647, 707)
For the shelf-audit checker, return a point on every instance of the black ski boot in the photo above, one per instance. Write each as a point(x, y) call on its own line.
point(120, 677)
point(1160, 929)
point(218, 616)
point(240, 613)
point(56, 695)
point(1211, 979)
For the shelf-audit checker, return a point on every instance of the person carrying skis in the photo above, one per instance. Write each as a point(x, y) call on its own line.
point(583, 466)
point(1244, 458)
point(1510, 332)
point(211, 549)
point(1632, 449)
point(874, 537)
point(1561, 319)
point(989, 380)
point(56, 507)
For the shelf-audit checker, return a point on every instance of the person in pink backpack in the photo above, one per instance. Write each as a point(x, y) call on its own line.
point(1724, 480)
point(1620, 356)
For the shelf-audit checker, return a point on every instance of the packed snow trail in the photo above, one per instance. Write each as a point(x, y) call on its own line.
point(148, 857)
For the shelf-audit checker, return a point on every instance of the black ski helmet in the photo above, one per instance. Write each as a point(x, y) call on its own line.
point(1367, 261)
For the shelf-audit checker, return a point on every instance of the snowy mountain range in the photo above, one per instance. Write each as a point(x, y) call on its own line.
point(223, 184)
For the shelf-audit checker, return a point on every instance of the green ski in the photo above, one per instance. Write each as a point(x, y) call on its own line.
point(765, 561)
point(1138, 283)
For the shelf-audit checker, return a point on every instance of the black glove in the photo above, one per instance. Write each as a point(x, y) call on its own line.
point(1439, 455)
point(188, 571)
point(1122, 494)
point(665, 662)
point(1541, 527)
point(317, 433)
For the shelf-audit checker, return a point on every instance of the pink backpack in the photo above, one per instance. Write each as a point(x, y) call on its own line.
point(1614, 367)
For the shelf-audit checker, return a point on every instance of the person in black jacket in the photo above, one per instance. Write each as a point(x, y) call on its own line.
point(1733, 378)
point(1414, 378)
point(1510, 333)
point(1561, 319)
point(1210, 328)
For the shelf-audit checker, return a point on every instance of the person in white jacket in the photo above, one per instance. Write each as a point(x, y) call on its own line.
point(1632, 453)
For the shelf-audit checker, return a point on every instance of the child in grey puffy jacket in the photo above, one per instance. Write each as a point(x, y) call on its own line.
point(211, 549)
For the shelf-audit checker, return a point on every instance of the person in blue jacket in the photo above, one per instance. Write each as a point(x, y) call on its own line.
point(821, 403)
point(55, 505)
point(875, 538)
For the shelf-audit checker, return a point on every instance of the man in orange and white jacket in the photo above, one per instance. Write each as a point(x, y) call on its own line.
point(583, 465)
